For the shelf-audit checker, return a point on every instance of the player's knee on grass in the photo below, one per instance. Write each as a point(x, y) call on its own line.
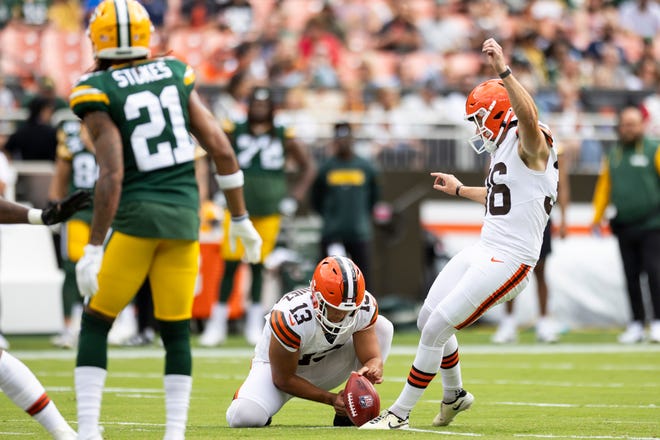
point(244, 413)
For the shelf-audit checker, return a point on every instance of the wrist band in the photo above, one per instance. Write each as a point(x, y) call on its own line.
point(506, 73)
point(34, 216)
point(458, 189)
point(230, 181)
point(240, 218)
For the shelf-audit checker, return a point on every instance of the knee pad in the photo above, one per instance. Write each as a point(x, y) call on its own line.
point(244, 413)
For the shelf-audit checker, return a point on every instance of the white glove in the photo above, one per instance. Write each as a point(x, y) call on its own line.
point(244, 229)
point(87, 270)
point(288, 206)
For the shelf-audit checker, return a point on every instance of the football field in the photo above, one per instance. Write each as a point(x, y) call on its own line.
point(586, 387)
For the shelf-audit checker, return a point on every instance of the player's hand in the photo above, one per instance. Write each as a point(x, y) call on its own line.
point(244, 229)
point(446, 183)
point(87, 270)
point(495, 55)
point(62, 210)
point(563, 229)
point(288, 206)
point(373, 371)
point(338, 404)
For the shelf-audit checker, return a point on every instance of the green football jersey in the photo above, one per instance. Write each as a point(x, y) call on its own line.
point(148, 101)
point(84, 170)
point(262, 159)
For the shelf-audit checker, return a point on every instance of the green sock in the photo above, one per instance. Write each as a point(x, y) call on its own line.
point(227, 283)
point(257, 282)
point(93, 342)
point(176, 339)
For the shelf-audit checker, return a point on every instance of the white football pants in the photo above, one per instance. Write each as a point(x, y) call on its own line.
point(258, 399)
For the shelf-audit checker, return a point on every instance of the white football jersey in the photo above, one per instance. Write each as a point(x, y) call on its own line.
point(293, 323)
point(518, 201)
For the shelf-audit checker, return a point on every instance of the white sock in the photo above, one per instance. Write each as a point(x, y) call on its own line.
point(177, 401)
point(24, 389)
point(424, 368)
point(89, 382)
point(450, 370)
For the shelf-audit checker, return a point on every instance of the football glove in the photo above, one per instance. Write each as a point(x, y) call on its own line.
point(87, 270)
point(288, 206)
point(65, 208)
point(244, 229)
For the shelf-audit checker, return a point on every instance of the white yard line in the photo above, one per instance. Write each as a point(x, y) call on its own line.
point(408, 350)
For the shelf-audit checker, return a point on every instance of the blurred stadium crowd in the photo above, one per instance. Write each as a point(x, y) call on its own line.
point(398, 69)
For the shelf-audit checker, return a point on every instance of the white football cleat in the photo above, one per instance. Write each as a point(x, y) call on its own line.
point(215, 332)
point(67, 339)
point(546, 331)
point(64, 433)
point(634, 333)
point(507, 331)
point(654, 331)
point(386, 420)
point(449, 410)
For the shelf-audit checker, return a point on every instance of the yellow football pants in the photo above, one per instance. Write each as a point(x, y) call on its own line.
point(75, 235)
point(268, 228)
point(171, 265)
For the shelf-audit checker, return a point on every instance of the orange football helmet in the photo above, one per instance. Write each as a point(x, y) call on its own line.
point(120, 29)
point(488, 106)
point(338, 283)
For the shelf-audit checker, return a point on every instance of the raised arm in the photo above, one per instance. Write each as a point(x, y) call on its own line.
point(533, 148)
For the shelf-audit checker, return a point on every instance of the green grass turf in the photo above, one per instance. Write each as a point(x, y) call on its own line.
point(586, 387)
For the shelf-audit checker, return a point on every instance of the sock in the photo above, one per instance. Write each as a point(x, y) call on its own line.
point(24, 389)
point(93, 342)
point(435, 334)
point(177, 401)
point(257, 282)
point(89, 383)
point(176, 340)
point(227, 283)
point(450, 369)
point(423, 370)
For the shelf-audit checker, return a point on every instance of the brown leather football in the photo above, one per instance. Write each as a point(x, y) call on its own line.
point(361, 399)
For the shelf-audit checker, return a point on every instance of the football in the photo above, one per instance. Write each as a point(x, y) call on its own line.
point(361, 399)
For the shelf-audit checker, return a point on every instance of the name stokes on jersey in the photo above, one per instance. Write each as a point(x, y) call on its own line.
point(142, 74)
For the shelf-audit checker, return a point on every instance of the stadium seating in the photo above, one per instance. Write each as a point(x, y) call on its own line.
point(21, 50)
point(64, 57)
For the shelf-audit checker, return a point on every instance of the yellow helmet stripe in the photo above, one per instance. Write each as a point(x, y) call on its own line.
point(123, 24)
